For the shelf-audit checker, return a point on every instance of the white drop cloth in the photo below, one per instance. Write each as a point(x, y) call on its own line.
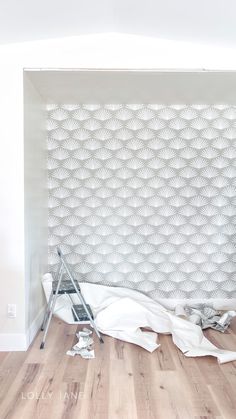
point(121, 312)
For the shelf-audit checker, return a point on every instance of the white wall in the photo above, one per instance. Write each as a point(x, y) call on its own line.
point(12, 202)
point(36, 203)
point(211, 21)
point(101, 51)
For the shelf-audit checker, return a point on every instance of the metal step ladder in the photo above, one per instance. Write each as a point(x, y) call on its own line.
point(67, 287)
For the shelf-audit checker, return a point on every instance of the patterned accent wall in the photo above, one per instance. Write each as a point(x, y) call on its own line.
point(144, 196)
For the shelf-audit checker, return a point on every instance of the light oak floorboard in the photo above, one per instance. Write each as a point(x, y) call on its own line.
point(123, 382)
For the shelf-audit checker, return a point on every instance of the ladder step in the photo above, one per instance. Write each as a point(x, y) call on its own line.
point(66, 287)
point(81, 313)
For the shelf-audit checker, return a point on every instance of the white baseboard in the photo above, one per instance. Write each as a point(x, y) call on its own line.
point(35, 326)
point(217, 303)
point(10, 342)
point(13, 342)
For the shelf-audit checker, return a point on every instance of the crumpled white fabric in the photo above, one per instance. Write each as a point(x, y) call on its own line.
point(121, 312)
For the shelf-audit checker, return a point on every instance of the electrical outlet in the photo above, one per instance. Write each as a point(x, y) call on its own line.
point(11, 310)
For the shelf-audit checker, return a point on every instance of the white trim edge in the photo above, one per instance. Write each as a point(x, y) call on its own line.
point(21, 341)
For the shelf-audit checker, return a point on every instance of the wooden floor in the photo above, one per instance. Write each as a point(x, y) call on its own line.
point(123, 381)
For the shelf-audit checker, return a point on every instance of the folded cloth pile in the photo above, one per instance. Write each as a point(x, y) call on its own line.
point(122, 313)
point(206, 316)
point(84, 346)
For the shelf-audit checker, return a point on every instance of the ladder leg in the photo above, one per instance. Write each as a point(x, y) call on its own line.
point(52, 307)
point(47, 311)
point(50, 300)
point(90, 317)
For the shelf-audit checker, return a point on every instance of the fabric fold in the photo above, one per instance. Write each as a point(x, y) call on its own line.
point(121, 313)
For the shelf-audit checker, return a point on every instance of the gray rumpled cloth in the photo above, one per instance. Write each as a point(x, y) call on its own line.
point(206, 316)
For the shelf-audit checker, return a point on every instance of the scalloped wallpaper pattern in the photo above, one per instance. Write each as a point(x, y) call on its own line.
point(144, 196)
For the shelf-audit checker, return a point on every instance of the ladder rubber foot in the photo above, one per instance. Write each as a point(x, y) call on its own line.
point(101, 340)
point(42, 345)
point(42, 328)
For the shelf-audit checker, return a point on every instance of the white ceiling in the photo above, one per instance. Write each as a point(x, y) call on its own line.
point(204, 21)
point(134, 86)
